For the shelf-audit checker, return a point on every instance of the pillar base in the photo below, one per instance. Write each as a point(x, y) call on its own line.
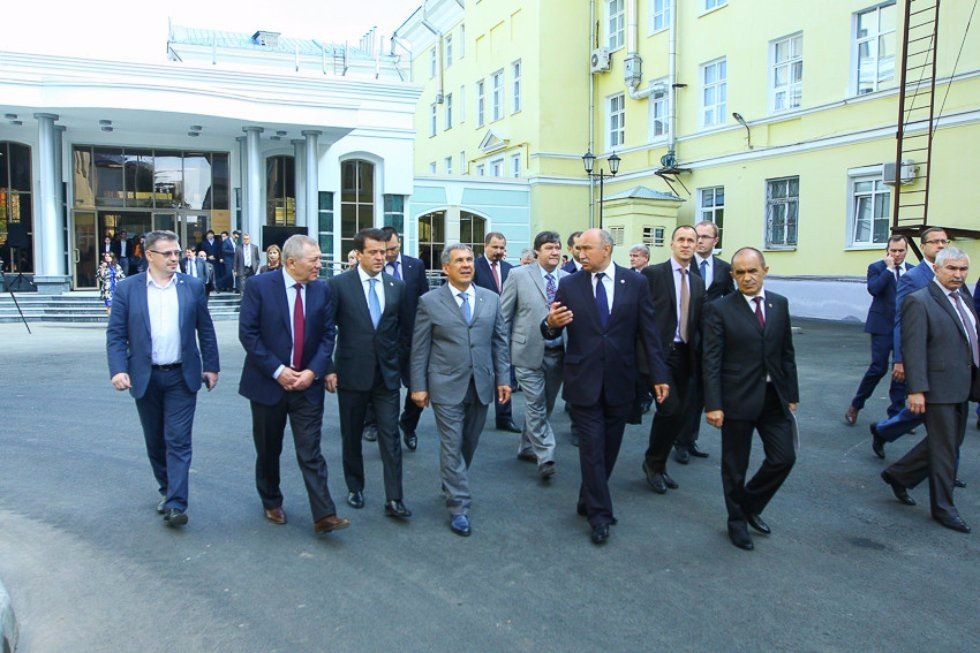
point(52, 285)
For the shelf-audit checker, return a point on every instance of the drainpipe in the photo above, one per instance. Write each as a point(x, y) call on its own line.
point(593, 42)
point(429, 26)
point(672, 82)
point(633, 63)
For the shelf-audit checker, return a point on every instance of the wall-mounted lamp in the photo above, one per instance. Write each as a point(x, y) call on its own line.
point(748, 133)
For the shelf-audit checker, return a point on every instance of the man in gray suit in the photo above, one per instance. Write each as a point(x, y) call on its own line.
point(528, 292)
point(459, 353)
point(246, 261)
point(941, 358)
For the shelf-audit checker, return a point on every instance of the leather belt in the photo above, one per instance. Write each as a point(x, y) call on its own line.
point(168, 366)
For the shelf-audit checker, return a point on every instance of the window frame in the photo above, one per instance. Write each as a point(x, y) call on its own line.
point(789, 64)
point(497, 95)
point(447, 105)
point(447, 49)
point(515, 71)
point(856, 42)
point(720, 83)
point(704, 212)
point(615, 133)
point(615, 25)
point(662, 99)
point(663, 15)
point(515, 166)
point(433, 61)
point(433, 120)
point(879, 189)
point(481, 103)
point(447, 163)
point(497, 167)
point(788, 201)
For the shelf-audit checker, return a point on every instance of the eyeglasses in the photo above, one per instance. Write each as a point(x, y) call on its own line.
point(174, 253)
point(938, 241)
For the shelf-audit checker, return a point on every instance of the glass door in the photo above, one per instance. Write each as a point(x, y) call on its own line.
point(85, 251)
point(193, 228)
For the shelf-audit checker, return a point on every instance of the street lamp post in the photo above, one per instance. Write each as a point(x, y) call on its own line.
point(588, 160)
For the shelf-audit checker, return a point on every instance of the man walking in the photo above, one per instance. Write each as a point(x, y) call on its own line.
point(158, 318)
point(246, 261)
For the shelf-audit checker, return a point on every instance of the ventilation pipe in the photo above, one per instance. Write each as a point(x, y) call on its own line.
point(438, 46)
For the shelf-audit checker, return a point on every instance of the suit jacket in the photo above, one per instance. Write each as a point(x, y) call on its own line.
point(722, 283)
point(663, 291)
point(412, 271)
point(976, 298)
point(570, 267)
point(524, 303)
point(483, 275)
point(212, 249)
point(228, 251)
point(128, 342)
point(265, 331)
point(882, 286)
point(240, 259)
point(603, 361)
point(447, 352)
point(202, 270)
point(362, 348)
point(916, 278)
point(938, 360)
point(116, 248)
point(738, 354)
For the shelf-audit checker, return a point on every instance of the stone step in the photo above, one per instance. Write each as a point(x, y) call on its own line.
point(85, 306)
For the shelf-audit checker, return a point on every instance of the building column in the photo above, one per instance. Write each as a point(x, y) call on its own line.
point(239, 220)
point(299, 179)
point(312, 174)
point(50, 273)
point(453, 217)
point(252, 215)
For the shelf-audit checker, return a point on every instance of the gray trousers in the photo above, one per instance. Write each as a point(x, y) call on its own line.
point(540, 387)
point(459, 428)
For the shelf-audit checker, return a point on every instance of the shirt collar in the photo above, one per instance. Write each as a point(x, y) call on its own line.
point(150, 281)
point(675, 265)
point(290, 282)
point(545, 273)
point(469, 291)
point(365, 276)
point(610, 270)
point(751, 299)
point(702, 259)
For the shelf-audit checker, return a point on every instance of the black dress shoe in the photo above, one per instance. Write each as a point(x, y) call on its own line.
point(655, 480)
point(355, 499)
point(877, 442)
point(694, 451)
point(600, 534)
point(547, 470)
point(173, 517)
point(739, 535)
point(755, 521)
point(395, 508)
point(959, 483)
point(953, 522)
point(411, 440)
point(682, 455)
point(900, 491)
point(370, 433)
point(508, 425)
point(668, 481)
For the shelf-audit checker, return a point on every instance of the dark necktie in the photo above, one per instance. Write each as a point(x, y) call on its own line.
point(971, 333)
point(601, 300)
point(394, 270)
point(898, 275)
point(704, 272)
point(550, 287)
point(299, 328)
point(758, 312)
point(496, 275)
point(685, 304)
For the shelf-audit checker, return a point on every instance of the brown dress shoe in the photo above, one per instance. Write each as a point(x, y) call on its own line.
point(851, 416)
point(330, 523)
point(275, 515)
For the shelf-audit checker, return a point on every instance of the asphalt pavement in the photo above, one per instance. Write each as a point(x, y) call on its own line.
point(89, 565)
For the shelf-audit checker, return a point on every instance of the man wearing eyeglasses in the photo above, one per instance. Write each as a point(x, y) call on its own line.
point(158, 318)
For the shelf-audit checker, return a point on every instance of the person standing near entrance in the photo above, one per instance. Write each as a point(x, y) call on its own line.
point(107, 276)
point(122, 248)
point(246, 261)
point(228, 247)
point(152, 349)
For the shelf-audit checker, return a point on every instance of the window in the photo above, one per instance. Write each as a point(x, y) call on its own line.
point(617, 120)
point(659, 15)
point(472, 229)
point(497, 168)
point(356, 201)
point(462, 41)
point(462, 163)
point(653, 236)
point(515, 70)
point(449, 165)
point(874, 48)
point(782, 212)
point(432, 167)
point(615, 24)
point(711, 206)
point(280, 196)
point(714, 92)
point(869, 210)
point(658, 110)
point(480, 104)
point(325, 225)
point(481, 170)
point(714, 4)
point(17, 215)
point(462, 104)
point(433, 56)
point(448, 47)
point(617, 234)
point(395, 212)
point(497, 89)
point(448, 104)
point(786, 74)
point(433, 117)
point(432, 238)
point(515, 165)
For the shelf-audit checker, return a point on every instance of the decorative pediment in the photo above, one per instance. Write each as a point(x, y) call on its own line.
point(493, 142)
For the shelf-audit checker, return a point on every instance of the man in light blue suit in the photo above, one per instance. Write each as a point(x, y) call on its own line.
point(158, 318)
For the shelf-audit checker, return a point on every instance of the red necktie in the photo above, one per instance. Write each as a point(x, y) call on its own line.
point(299, 328)
point(496, 275)
point(758, 312)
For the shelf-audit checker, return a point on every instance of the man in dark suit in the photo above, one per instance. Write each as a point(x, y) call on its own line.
point(931, 242)
point(193, 266)
point(717, 277)
point(491, 273)
point(573, 265)
point(459, 355)
point(369, 310)
point(122, 248)
point(211, 246)
point(750, 383)
point(246, 261)
point(604, 310)
point(678, 297)
point(941, 359)
point(883, 279)
point(151, 343)
point(287, 330)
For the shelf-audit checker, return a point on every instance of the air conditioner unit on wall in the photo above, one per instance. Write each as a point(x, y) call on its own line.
point(599, 63)
point(908, 173)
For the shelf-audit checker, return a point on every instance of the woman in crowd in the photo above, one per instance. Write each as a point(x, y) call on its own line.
point(273, 257)
point(107, 276)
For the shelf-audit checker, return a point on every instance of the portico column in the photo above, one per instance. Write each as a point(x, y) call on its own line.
point(62, 238)
point(242, 183)
point(49, 247)
point(253, 213)
point(312, 174)
point(299, 192)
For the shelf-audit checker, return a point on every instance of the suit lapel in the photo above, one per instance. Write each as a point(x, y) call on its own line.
point(279, 296)
point(536, 278)
point(449, 301)
point(143, 309)
point(357, 295)
point(183, 302)
point(943, 300)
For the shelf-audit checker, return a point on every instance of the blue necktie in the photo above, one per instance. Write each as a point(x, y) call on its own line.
point(465, 307)
point(373, 304)
point(394, 270)
point(550, 287)
point(704, 271)
point(601, 300)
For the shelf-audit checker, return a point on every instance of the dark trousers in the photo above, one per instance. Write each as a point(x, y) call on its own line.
point(166, 413)
point(411, 414)
point(898, 425)
point(353, 407)
point(691, 429)
point(881, 349)
point(935, 456)
point(600, 428)
point(776, 431)
point(268, 428)
point(672, 415)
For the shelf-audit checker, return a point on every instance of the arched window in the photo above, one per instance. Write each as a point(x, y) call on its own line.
point(280, 185)
point(472, 229)
point(16, 208)
point(356, 201)
point(432, 238)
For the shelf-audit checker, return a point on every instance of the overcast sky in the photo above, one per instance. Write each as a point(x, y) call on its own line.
point(137, 30)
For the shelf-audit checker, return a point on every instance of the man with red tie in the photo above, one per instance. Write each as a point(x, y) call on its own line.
point(287, 355)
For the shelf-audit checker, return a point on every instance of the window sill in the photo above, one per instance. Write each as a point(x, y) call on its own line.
point(864, 247)
point(777, 248)
point(712, 10)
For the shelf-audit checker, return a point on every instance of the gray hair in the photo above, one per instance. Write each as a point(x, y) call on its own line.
point(294, 246)
point(606, 238)
point(152, 238)
point(447, 252)
point(951, 254)
point(640, 247)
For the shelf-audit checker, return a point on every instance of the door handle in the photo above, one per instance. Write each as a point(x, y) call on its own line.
point(76, 256)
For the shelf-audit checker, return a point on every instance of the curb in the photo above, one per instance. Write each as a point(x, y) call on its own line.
point(8, 623)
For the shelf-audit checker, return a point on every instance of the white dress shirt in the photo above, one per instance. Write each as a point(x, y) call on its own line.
point(608, 282)
point(379, 289)
point(164, 312)
point(709, 272)
point(390, 268)
point(675, 268)
point(470, 295)
point(291, 302)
